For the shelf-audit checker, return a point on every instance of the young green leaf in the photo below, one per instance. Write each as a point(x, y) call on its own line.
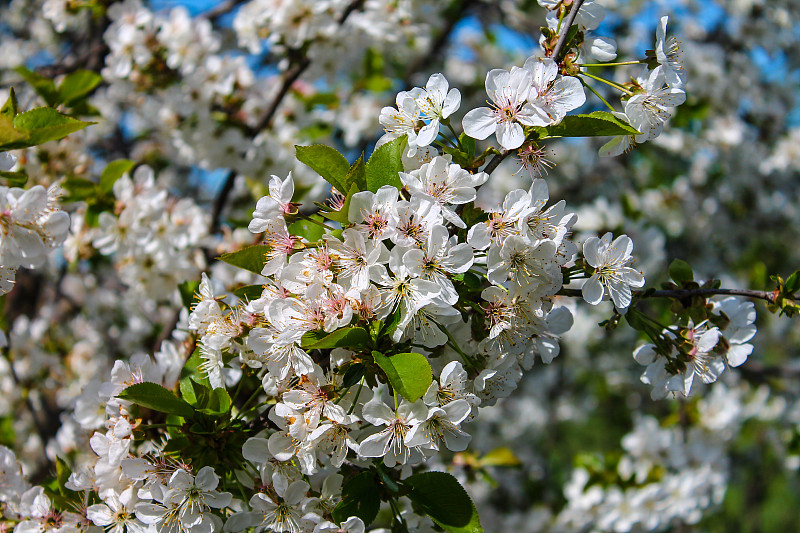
point(187, 290)
point(595, 124)
point(348, 337)
point(385, 164)
point(249, 292)
point(326, 162)
point(44, 87)
point(442, 498)
point(680, 271)
point(251, 258)
point(341, 216)
point(360, 497)
point(409, 373)
point(10, 137)
point(13, 179)
point(114, 171)
point(42, 125)
point(78, 85)
point(792, 284)
point(356, 176)
point(157, 398)
point(79, 189)
point(305, 228)
point(9, 109)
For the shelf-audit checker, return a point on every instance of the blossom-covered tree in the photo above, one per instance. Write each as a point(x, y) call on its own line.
point(289, 266)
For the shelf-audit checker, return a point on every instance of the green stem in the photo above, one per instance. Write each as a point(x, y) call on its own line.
point(454, 345)
point(455, 135)
point(597, 94)
point(355, 400)
point(317, 222)
point(247, 402)
point(607, 82)
point(239, 385)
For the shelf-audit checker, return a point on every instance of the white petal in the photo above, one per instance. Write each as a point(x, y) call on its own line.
point(593, 291)
point(479, 123)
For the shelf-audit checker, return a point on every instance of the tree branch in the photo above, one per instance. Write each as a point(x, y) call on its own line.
point(289, 77)
point(222, 9)
point(562, 37)
point(495, 162)
point(687, 293)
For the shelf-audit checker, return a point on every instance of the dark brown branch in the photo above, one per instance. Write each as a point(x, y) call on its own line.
point(222, 9)
point(688, 293)
point(495, 162)
point(289, 78)
point(562, 37)
point(685, 293)
point(452, 15)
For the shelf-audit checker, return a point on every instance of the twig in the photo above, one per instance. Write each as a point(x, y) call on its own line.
point(562, 37)
point(687, 293)
point(289, 77)
point(222, 9)
point(495, 162)
point(452, 15)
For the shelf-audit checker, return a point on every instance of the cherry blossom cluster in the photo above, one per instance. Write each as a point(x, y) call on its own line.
point(153, 238)
point(668, 474)
point(699, 351)
point(32, 224)
point(480, 293)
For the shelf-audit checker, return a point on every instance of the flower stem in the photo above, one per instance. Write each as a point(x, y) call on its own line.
point(607, 82)
point(317, 222)
point(597, 94)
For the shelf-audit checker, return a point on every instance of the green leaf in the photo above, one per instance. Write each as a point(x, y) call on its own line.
point(409, 373)
point(44, 87)
point(63, 471)
point(468, 144)
point(342, 216)
point(304, 228)
point(595, 124)
point(638, 321)
point(188, 290)
point(193, 371)
point(157, 398)
point(356, 176)
point(385, 164)
point(252, 258)
point(249, 292)
point(360, 497)
point(680, 271)
point(347, 337)
point(213, 402)
point(9, 109)
point(77, 85)
point(114, 171)
point(442, 498)
point(353, 374)
point(571, 34)
point(500, 457)
point(14, 179)
point(792, 284)
point(326, 162)
point(79, 189)
point(45, 124)
point(10, 137)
